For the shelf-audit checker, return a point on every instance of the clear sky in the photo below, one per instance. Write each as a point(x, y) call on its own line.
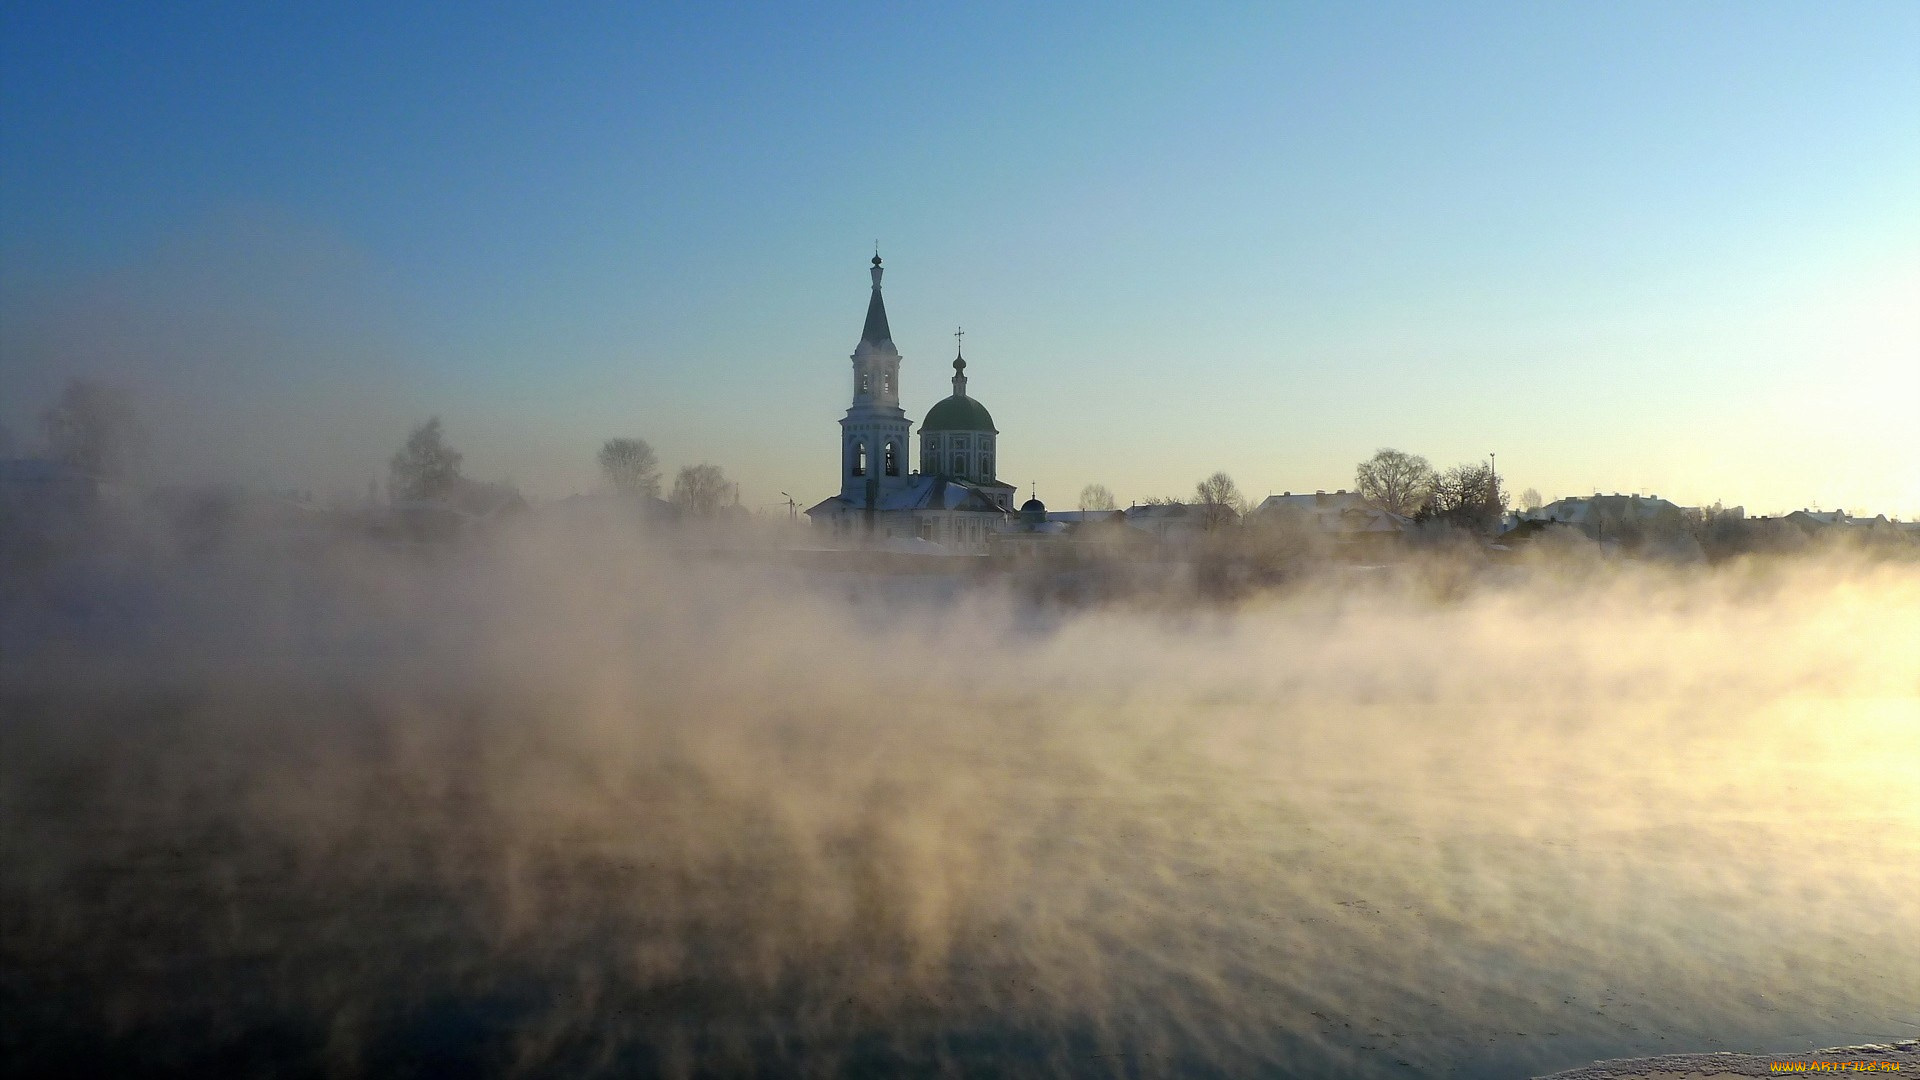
point(1663, 247)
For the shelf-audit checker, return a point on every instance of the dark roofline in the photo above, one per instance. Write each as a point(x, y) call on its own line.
point(876, 329)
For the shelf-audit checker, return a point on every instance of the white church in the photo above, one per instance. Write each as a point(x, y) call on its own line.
point(953, 499)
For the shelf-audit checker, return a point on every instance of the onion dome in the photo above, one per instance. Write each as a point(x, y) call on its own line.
point(959, 412)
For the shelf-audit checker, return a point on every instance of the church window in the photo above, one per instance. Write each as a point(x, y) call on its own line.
point(893, 459)
point(866, 383)
point(960, 464)
point(859, 459)
point(986, 466)
point(886, 383)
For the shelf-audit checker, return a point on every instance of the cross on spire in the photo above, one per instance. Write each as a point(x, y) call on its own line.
point(957, 335)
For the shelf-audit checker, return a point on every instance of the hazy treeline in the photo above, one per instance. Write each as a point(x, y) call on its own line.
point(84, 486)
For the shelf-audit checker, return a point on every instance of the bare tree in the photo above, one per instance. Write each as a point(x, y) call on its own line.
point(1395, 480)
point(1468, 496)
point(94, 427)
point(426, 469)
point(1097, 497)
point(704, 490)
point(631, 467)
point(1530, 499)
point(1219, 500)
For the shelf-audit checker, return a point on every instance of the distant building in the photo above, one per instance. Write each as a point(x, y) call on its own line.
point(955, 499)
point(1344, 519)
point(1820, 521)
point(1034, 532)
point(1597, 514)
point(1077, 518)
point(1169, 523)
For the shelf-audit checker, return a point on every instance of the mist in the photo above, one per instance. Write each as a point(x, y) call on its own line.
point(574, 802)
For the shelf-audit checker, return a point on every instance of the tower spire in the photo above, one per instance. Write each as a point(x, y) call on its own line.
point(876, 329)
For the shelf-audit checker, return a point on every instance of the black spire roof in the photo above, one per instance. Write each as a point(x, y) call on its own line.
point(876, 329)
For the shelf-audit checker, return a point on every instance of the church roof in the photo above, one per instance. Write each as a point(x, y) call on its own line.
point(958, 413)
point(924, 492)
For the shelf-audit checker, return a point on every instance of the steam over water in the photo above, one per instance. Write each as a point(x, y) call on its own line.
point(565, 807)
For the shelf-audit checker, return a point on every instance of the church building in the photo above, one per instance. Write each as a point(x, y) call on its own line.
point(954, 499)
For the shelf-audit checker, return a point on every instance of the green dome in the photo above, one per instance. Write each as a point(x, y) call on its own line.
point(958, 413)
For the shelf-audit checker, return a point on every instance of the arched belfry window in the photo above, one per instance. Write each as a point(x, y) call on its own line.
point(886, 383)
point(893, 459)
point(859, 459)
point(866, 383)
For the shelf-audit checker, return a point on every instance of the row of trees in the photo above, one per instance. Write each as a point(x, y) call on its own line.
point(1217, 497)
point(427, 469)
point(1217, 490)
point(632, 469)
point(1469, 496)
point(95, 428)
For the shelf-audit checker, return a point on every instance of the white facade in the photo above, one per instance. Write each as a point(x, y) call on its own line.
point(963, 455)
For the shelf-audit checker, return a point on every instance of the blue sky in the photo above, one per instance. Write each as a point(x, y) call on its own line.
point(1671, 248)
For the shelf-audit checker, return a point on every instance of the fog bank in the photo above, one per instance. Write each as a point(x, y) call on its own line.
point(567, 804)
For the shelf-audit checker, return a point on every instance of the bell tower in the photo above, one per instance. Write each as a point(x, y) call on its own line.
point(873, 434)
